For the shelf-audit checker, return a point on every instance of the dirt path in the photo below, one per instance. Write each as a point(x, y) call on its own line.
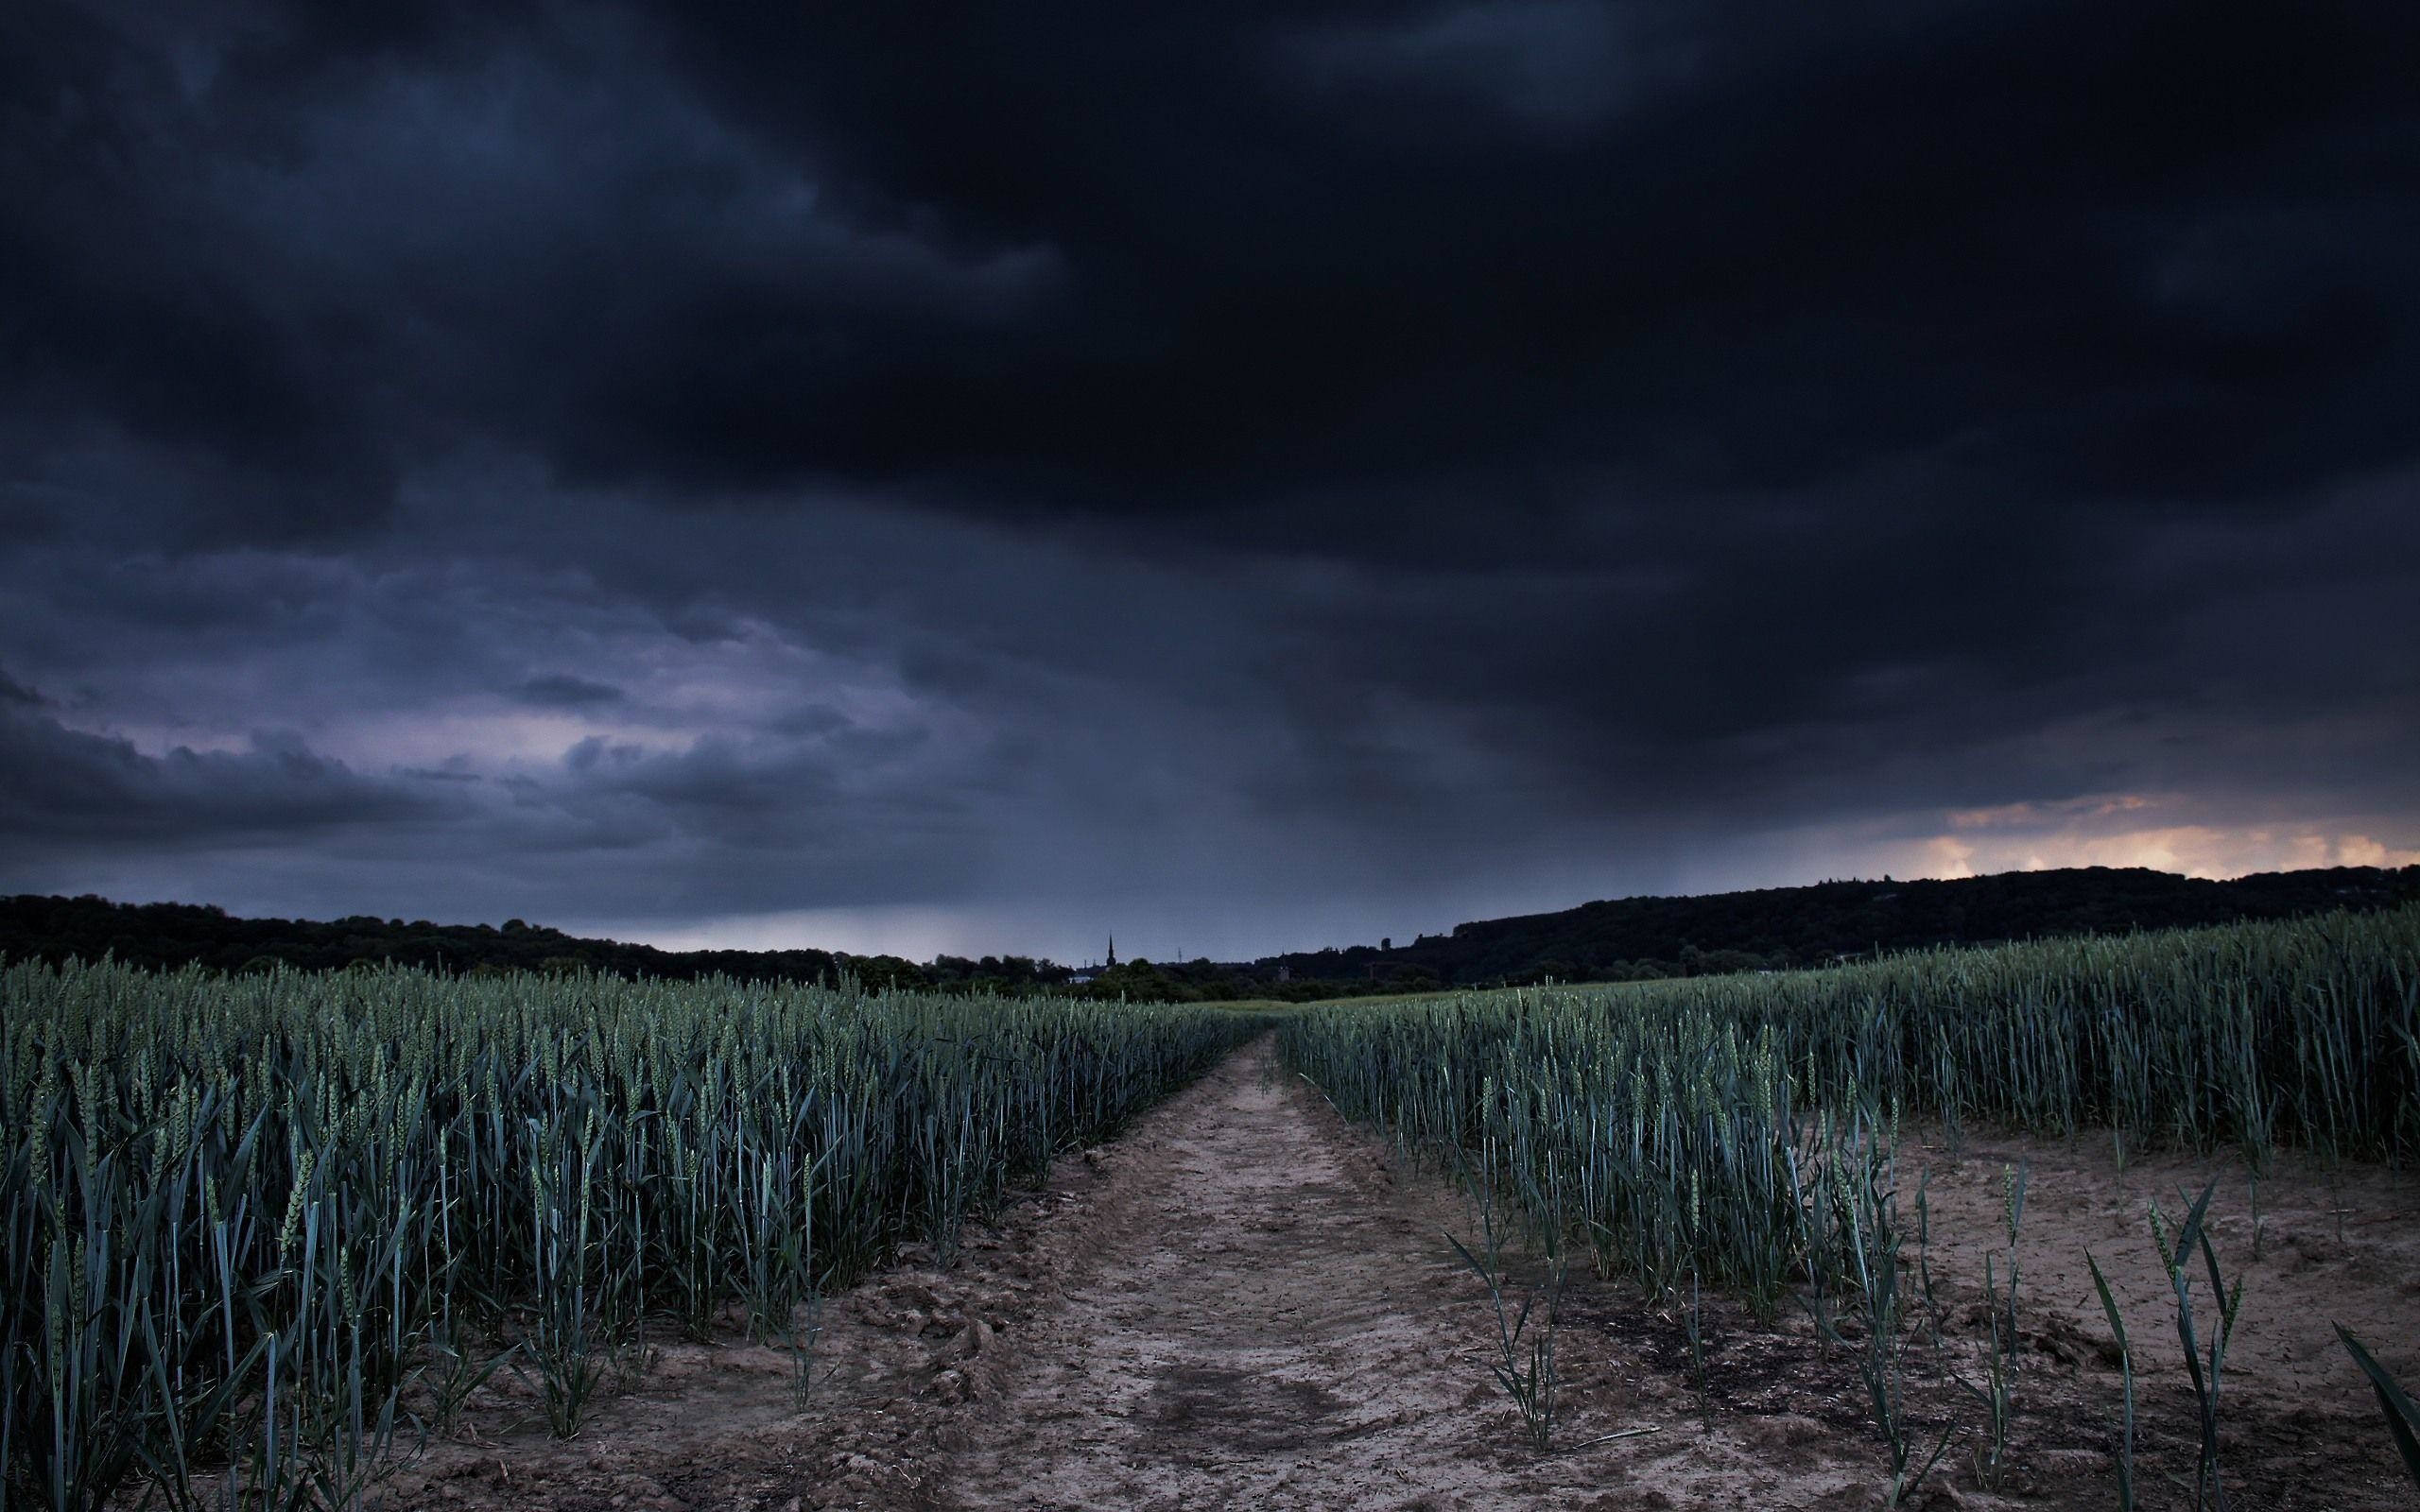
point(1271, 1321)
point(1270, 1326)
point(1243, 1303)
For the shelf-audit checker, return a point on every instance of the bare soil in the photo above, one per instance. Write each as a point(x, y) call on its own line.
point(1246, 1302)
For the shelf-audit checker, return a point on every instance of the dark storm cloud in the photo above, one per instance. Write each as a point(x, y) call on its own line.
point(1772, 258)
point(1293, 264)
point(881, 455)
point(563, 690)
point(62, 784)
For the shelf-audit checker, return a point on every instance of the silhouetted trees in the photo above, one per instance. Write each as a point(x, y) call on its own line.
point(1619, 940)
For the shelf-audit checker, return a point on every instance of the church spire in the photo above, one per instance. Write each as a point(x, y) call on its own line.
point(1113, 952)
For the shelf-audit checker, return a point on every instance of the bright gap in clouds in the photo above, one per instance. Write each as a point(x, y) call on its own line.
point(2111, 831)
point(916, 932)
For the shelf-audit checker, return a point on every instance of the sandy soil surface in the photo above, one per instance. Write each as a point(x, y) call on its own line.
point(1274, 1320)
point(1245, 1302)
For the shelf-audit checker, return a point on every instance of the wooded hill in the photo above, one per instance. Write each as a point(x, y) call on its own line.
point(165, 935)
point(1782, 927)
point(1619, 939)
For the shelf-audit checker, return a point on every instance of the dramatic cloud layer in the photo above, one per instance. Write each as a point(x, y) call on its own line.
point(886, 477)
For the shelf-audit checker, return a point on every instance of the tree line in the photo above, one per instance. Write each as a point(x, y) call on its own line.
point(1621, 939)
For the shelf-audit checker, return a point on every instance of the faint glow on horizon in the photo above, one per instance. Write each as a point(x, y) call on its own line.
point(917, 932)
point(1072, 931)
point(2035, 840)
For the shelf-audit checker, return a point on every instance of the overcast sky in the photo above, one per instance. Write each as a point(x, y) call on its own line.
point(1241, 476)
